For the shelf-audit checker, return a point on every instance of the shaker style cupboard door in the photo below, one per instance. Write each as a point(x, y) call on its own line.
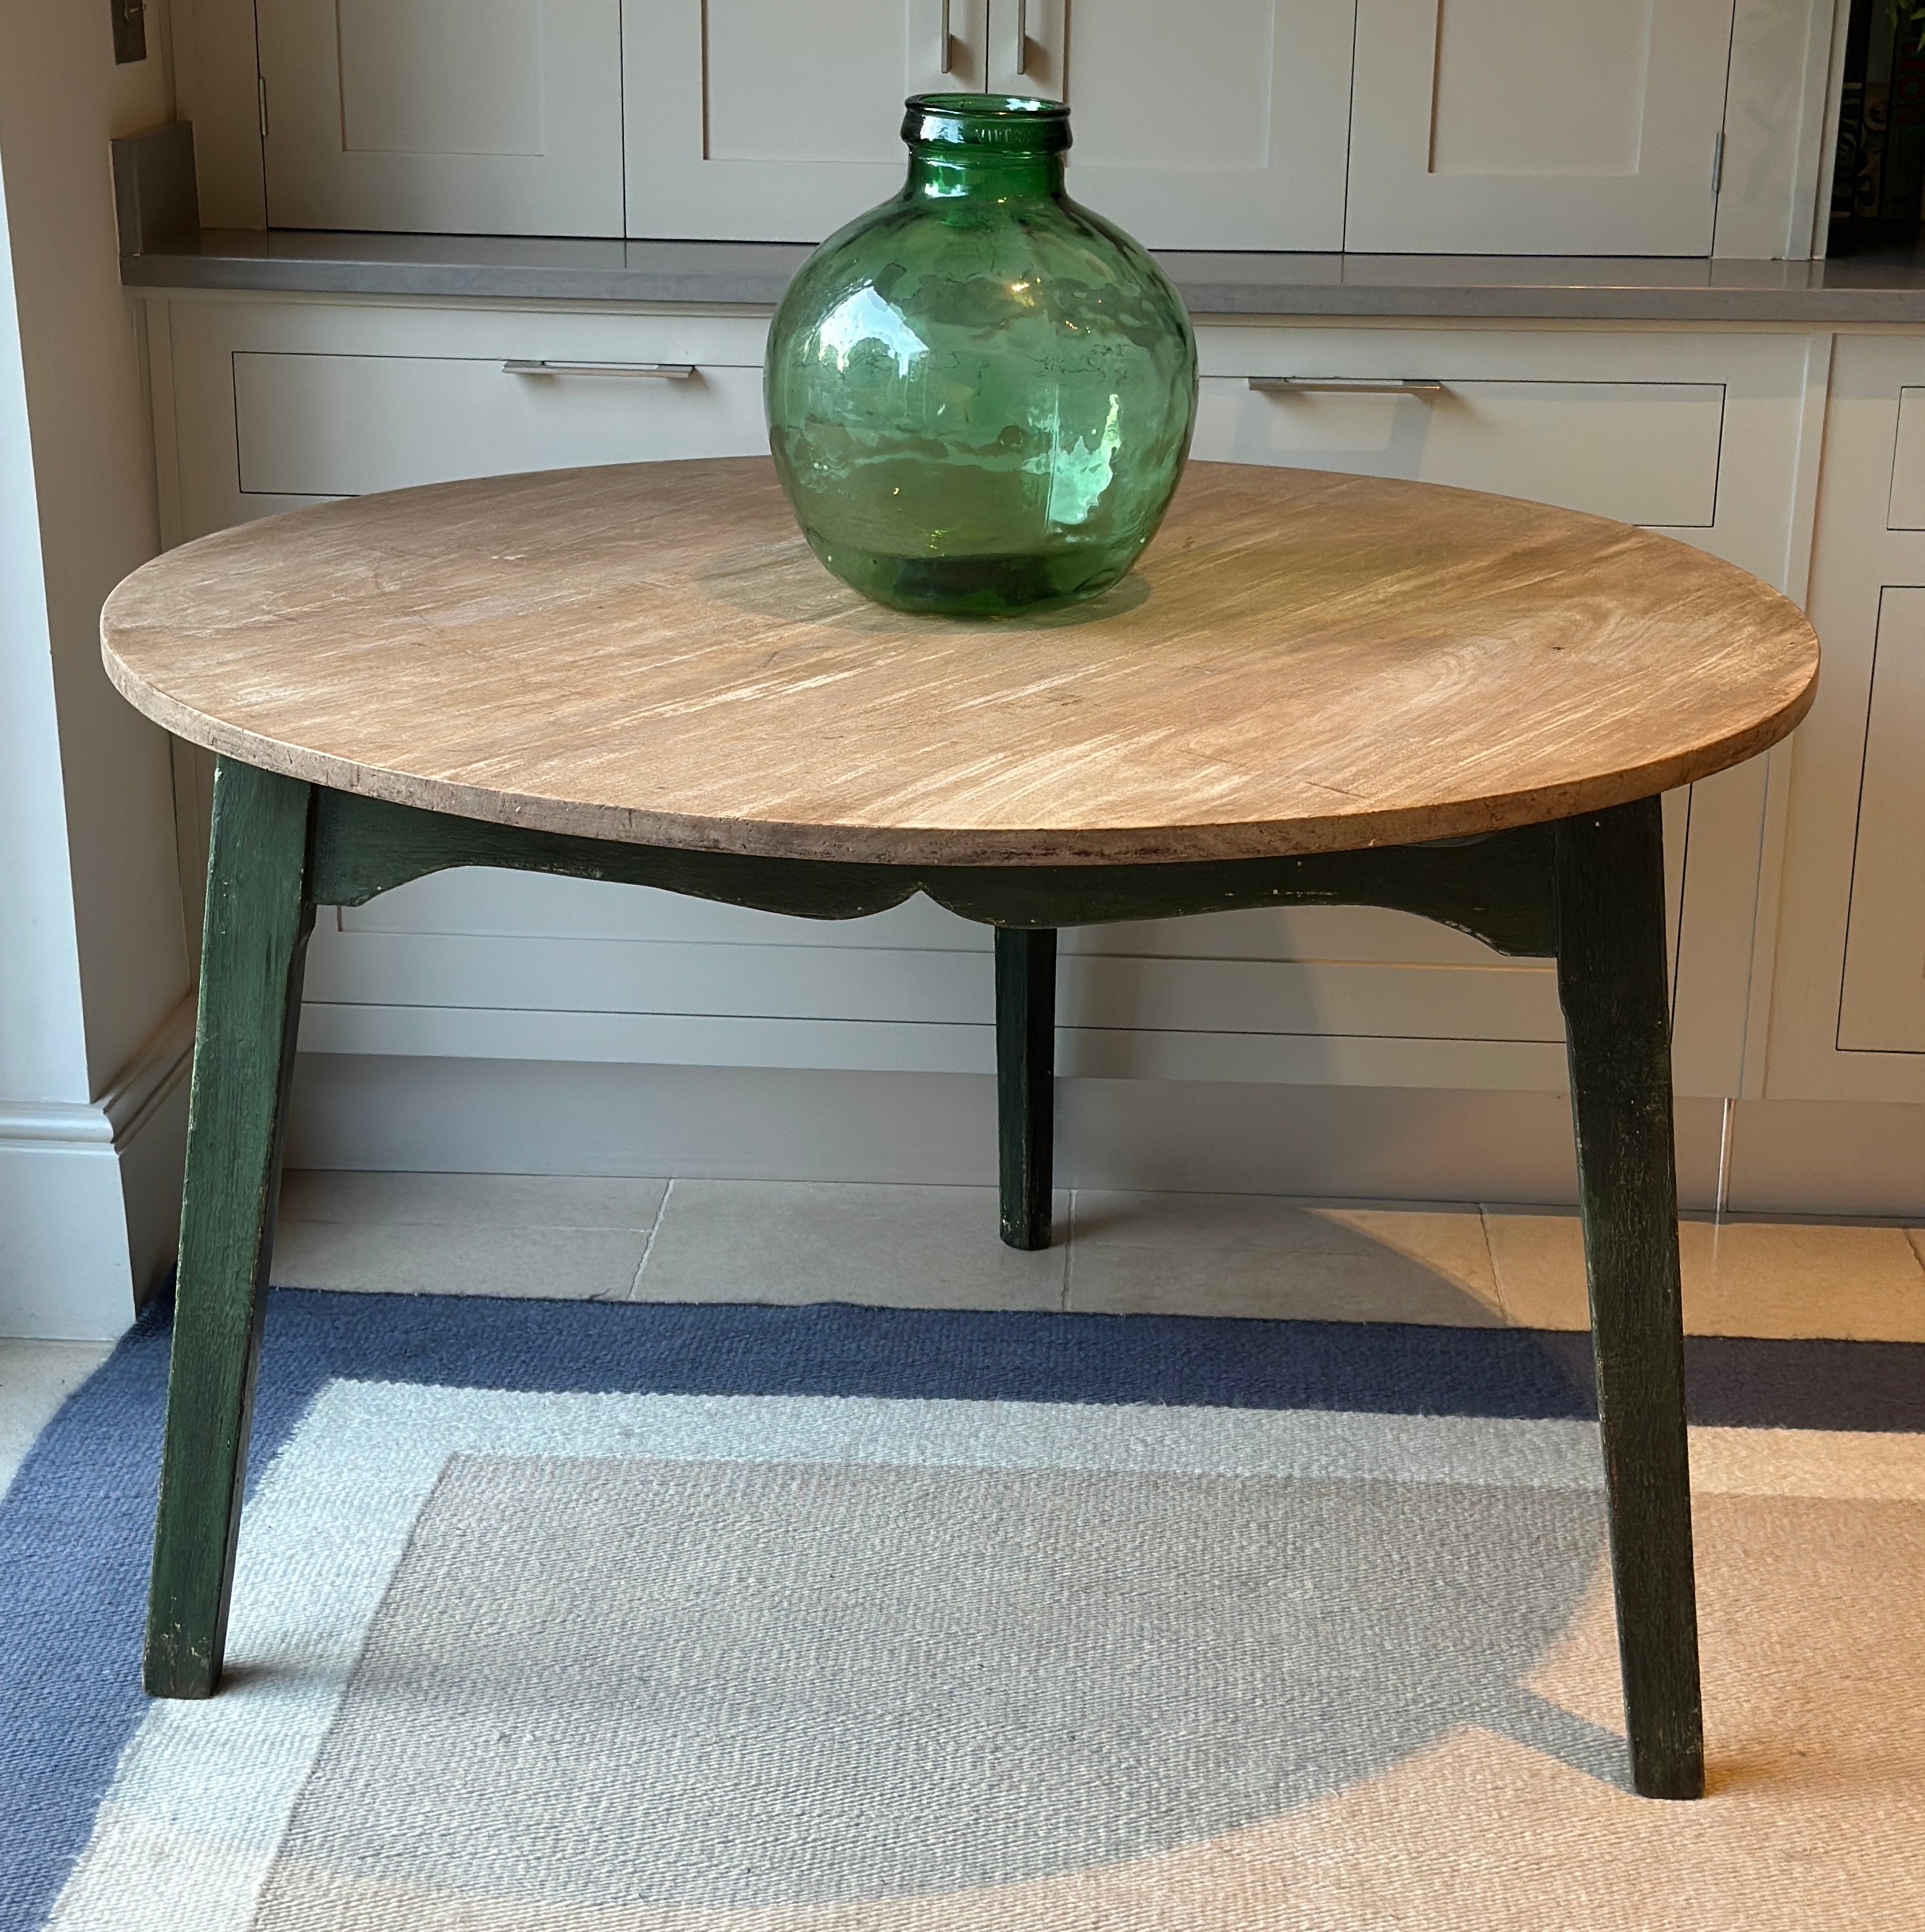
point(1221, 126)
point(1848, 989)
point(1883, 1007)
point(490, 117)
point(750, 121)
point(1536, 126)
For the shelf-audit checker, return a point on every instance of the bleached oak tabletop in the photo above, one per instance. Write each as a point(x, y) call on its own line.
point(1301, 662)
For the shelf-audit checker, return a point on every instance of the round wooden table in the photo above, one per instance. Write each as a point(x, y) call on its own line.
point(1314, 688)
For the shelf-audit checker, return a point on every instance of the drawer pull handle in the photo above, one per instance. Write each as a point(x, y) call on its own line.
point(946, 44)
point(1345, 386)
point(673, 372)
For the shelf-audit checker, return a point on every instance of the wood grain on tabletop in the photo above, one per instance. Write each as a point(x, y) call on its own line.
point(1301, 662)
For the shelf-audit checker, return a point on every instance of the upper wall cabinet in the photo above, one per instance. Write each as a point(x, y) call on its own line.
point(1469, 127)
point(468, 116)
point(1528, 126)
point(1222, 127)
point(1216, 127)
point(778, 123)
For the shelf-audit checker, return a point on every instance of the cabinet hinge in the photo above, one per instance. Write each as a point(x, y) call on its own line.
point(261, 94)
point(1717, 161)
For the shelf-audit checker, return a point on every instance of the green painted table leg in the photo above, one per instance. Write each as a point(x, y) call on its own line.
point(1025, 1079)
point(258, 916)
point(1609, 868)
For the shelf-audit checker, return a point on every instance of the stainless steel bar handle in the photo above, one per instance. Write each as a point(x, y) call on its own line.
point(673, 372)
point(1345, 386)
point(1022, 36)
point(948, 44)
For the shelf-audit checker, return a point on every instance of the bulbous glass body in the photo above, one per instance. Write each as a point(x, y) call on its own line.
point(980, 395)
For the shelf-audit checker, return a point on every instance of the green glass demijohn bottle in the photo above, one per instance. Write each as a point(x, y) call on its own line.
point(980, 395)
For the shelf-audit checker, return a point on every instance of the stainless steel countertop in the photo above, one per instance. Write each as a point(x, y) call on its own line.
point(1887, 288)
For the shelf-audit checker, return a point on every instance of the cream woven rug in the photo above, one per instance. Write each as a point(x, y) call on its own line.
point(565, 1657)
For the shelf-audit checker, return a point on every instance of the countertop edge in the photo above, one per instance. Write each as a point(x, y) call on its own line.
point(165, 245)
point(201, 263)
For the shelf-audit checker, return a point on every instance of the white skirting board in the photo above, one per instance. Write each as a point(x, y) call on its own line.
point(65, 1269)
point(90, 1196)
point(523, 1116)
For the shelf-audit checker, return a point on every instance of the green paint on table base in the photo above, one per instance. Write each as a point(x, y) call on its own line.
point(1025, 1079)
point(1611, 979)
point(1587, 892)
point(259, 913)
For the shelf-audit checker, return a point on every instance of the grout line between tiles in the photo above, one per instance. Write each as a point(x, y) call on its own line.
point(1069, 1247)
point(1911, 1242)
point(648, 1244)
point(1491, 1256)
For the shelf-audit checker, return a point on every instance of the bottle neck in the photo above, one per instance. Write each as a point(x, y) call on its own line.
point(938, 172)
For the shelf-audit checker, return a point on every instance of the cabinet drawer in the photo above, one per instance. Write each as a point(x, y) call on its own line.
point(1642, 452)
point(322, 425)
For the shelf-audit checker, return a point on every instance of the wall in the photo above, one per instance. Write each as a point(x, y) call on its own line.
point(95, 1018)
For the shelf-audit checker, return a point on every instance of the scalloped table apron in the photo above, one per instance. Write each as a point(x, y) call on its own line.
point(1315, 689)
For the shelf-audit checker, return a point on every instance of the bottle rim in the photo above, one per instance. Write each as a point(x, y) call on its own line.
point(1006, 123)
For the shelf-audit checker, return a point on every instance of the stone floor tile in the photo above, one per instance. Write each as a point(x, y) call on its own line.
point(1537, 1258)
point(455, 1200)
point(1798, 1278)
point(551, 1263)
point(898, 1246)
point(1781, 1278)
point(1448, 1241)
point(1248, 1255)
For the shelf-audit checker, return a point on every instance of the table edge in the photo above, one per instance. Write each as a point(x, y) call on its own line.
point(939, 845)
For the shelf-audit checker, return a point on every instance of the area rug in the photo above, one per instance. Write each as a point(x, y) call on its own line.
point(557, 1617)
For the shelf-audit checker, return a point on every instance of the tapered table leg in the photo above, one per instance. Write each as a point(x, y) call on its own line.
point(1609, 869)
point(1025, 1080)
point(258, 916)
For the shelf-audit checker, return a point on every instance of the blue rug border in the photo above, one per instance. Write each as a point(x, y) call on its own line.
point(75, 1527)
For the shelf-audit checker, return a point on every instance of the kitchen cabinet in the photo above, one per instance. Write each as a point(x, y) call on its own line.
point(1507, 126)
point(1537, 126)
point(1849, 996)
point(1882, 1006)
point(465, 116)
point(1222, 126)
point(308, 424)
point(276, 403)
point(760, 123)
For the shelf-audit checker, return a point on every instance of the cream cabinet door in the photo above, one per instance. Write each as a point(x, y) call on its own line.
point(491, 117)
point(757, 122)
point(1536, 126)
point(1697, 433)
point(1883, 1009)
point(1216, 127)
point(1848, 994)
